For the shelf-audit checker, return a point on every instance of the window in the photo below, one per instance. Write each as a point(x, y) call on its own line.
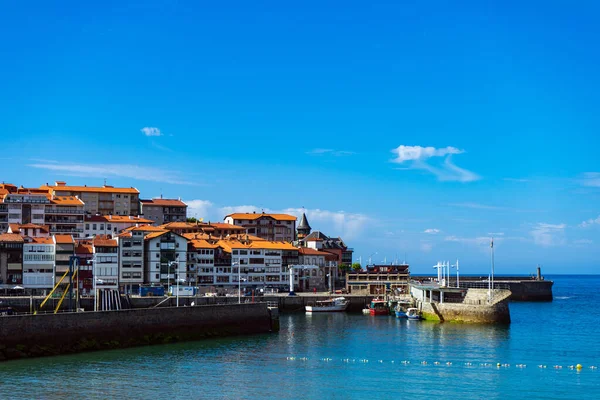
point(157, 276)
point(108, 227)
point(101, 227)
point(94, 226)
point(87, 226)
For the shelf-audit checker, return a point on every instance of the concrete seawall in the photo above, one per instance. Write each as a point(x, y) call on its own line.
point(474, 310)
point(49, 334)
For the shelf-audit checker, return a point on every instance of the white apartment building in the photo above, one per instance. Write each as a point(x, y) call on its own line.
point(165, 257)
point(201, 262)
point(62, 214)
point(112, 225)
point(105, 263)
point(131, 260)
point(102, 200)
point(38, 263)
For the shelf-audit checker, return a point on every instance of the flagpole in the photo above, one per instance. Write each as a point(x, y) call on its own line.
point(492, 280)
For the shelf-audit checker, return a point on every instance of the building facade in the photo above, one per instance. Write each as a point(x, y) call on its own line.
point(165, 258)
point(102, 200)
point(272, 227)
point(111, 225)
point(38, 263)
point(11, 260)
point(163, 211)
point(131, 260)
point(105, 263)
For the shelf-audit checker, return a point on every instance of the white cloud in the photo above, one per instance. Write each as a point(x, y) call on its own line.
point(476, 206)
point(199, 208)
point(151, 131)
point(333, 223)
point(548, 234)
point(590, 222)
point(336, 153)
point(591, 179)
point(419, 158)
point(476, 241)
point(117, 170)
point(432, 231)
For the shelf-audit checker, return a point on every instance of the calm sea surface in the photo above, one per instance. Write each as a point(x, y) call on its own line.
point(343, 356)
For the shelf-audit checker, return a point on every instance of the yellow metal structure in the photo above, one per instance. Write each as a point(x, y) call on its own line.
point(56, 287)
point(65, 292)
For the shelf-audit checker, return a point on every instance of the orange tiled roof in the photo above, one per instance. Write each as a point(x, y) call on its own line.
point(272, 245)
point(278, 217)
point(103, 241)
point(223, 226)
point(202, 244)
point(195, 236)
point(312, 252)
point(84, 248)
point(145, 228)
point(64, 239)
point(117, 219)
point(33, 226)
point(65, 200)
point(42, 240)
point(92, 189)
point(11, 237)
point(164, 202)
point(183, 225)
point(154, 235)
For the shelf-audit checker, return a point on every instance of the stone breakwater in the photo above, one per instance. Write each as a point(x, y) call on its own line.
point(53, 334)
point(474, 309)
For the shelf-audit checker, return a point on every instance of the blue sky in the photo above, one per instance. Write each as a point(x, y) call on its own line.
point(417, 128)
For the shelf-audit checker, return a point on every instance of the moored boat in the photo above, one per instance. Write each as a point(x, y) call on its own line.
point(379, 307)
point(331, 305)
point(413, 313)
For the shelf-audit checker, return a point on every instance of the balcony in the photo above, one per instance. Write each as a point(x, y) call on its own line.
point(65, 211)
point(63, 230)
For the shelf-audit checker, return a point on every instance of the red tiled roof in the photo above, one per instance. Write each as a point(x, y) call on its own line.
point(104, 189)
point(11, 237)
point(64, 239)
point(278, 217)
point(164, 202)
point(103, 241)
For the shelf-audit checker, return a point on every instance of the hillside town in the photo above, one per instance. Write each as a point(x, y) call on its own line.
point(122, 242)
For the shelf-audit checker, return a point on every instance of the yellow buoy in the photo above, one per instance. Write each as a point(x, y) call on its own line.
point(579, 366)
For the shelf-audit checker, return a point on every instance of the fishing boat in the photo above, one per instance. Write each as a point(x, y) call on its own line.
point(401, 309)
point(379, 307)
point(337, 304)
point(413, 313)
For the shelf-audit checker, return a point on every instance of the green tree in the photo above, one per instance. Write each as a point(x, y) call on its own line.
point(356, 266)
point(191, 219)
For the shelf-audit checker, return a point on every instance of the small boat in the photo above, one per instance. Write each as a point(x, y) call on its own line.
point(337, 304)
point(401, 309)
point(413, 313)
point(379, 307)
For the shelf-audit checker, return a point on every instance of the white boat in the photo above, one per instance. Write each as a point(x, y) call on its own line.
point(337, 304)
point(413, 313)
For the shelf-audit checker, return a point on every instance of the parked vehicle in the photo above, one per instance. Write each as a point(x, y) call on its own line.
point(152, 291)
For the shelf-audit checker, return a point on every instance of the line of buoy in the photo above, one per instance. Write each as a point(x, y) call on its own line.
point(576, 367)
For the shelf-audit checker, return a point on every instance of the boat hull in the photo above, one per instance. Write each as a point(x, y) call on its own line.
point(325, 309)
point(373, 311)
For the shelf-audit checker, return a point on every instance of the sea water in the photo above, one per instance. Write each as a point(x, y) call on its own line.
point(350, 356)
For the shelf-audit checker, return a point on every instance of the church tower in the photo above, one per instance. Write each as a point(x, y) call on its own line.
point(303, 227)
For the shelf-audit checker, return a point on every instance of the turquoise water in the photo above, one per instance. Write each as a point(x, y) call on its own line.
point(344, 356)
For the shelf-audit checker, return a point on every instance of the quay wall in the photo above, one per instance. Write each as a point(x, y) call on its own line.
point(53, 334)
point(474, 310)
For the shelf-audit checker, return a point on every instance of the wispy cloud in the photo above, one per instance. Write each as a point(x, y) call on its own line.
point(426, 247)
point(333, 223)
point(117, 170)
point(476, 241)
point(548, 235)
point(332, 152)
point(43, 160)
point(477, 206)
point(151, 131)
point(432, 231)
point(520, 180)
point(423, 158)
point(590, 222)
point(591, 179)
